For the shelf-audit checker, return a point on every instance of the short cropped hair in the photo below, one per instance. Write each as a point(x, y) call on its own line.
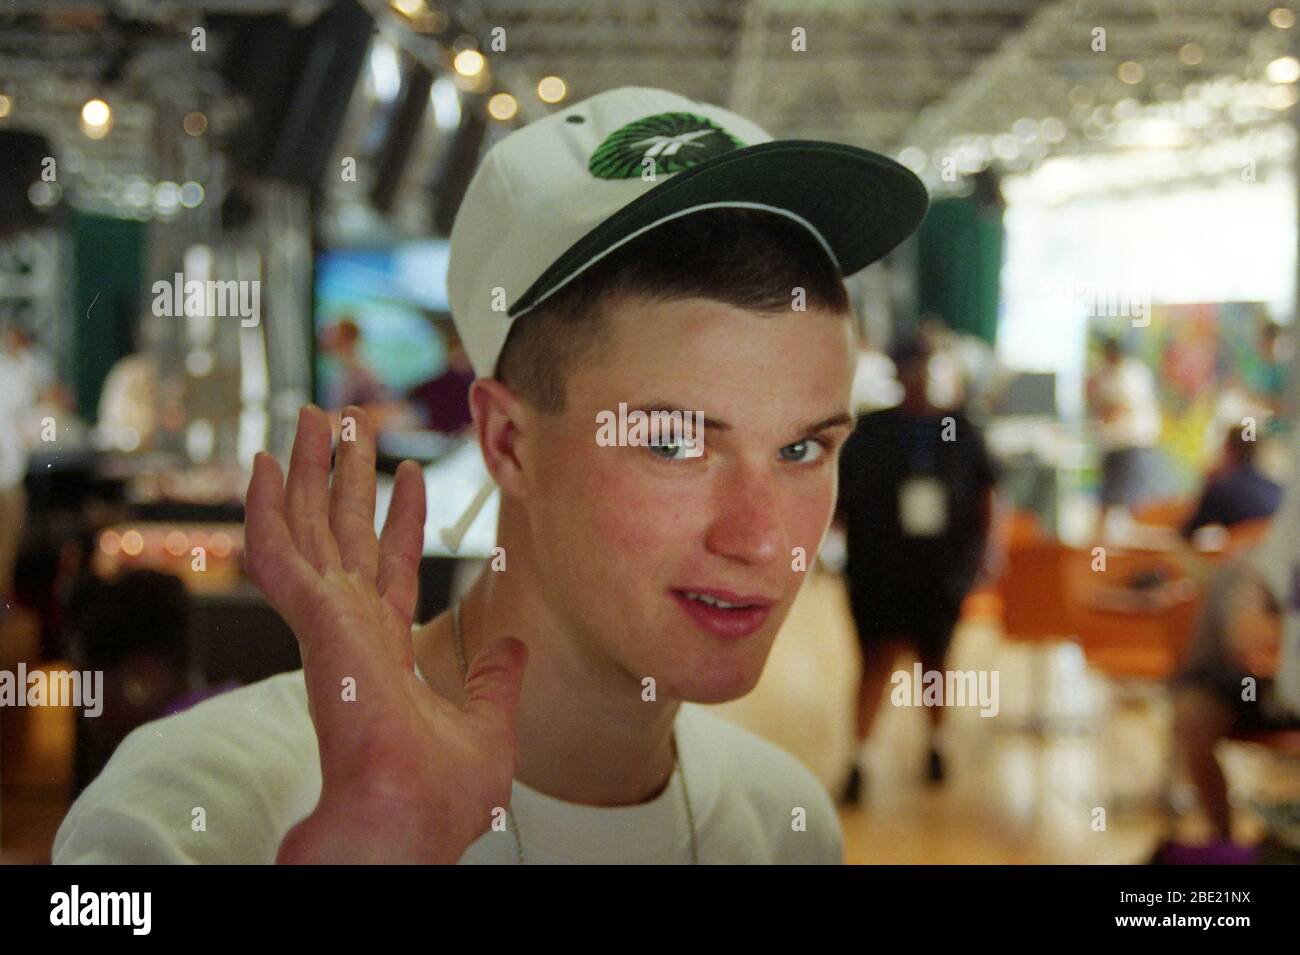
point(746, 258)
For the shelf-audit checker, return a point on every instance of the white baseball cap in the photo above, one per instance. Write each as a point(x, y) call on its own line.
point(554, 197)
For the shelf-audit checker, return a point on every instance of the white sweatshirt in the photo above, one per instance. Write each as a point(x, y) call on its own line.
point(249, 760)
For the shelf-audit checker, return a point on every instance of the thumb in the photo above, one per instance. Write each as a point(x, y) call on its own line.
point(494, 681)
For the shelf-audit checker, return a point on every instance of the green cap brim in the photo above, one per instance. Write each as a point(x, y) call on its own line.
point(861, 204)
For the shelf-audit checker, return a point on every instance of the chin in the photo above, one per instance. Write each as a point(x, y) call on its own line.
point(717, 680)
point(718, 692)
point(721, 670)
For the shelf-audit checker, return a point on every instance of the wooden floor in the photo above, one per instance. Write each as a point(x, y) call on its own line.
point(36, 746)
point(1014, 796)
point(1011, 796)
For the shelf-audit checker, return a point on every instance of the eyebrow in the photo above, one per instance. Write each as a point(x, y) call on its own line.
point(843, 419)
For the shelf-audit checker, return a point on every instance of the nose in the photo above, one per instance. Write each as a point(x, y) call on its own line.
point(748, 526)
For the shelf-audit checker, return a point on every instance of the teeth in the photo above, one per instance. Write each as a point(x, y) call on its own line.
point(713, 601)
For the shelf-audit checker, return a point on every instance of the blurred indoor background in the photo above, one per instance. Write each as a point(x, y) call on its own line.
point(1112, 238)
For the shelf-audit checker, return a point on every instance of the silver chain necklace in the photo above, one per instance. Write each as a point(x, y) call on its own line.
point(510, 816)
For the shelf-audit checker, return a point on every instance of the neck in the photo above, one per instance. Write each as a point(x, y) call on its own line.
point(585, 735)
point(916, 403)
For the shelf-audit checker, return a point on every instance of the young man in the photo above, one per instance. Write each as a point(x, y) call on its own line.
point(636, 250)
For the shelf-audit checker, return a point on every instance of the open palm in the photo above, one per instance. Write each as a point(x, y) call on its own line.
point(407, 776)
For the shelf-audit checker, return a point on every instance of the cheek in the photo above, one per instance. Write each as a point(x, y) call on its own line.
point(809, 510)
point(602, 513)
point(636, 518)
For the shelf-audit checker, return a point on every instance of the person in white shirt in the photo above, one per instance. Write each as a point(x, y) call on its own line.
point(35, 366)
point(1123, 396)
point(636, 578)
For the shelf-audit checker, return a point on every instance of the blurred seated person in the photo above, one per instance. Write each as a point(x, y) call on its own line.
point(355, 383)
point(134, 628)
point(1226, 684)
point(128, 403)
point(443, 402)
point(1235, 490)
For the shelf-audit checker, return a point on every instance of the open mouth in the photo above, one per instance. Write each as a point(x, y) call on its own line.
point(716, 602)
point(729, 615)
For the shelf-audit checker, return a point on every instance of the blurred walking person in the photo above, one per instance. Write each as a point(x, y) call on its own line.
point(916, 500)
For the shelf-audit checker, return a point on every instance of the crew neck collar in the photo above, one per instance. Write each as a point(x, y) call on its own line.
point(585, 833)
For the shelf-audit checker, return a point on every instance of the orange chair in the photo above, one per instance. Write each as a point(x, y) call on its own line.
point(1018, 530)
point(1142, 640)
point(1035, 612)
point(1053, 594)
point(1022, 529)
point(1170, 513)
point(1033, 593)
point(1135, 644)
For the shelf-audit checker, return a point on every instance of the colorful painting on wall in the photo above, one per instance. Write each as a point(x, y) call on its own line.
point(1204, 356)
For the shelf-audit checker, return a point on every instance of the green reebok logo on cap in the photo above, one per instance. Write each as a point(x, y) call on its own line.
point(674, 141)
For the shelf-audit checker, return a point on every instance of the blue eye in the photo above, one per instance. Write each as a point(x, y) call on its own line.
point(797, 452)
point(668, 452)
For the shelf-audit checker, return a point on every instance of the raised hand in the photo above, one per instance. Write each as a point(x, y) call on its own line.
point(407, 776)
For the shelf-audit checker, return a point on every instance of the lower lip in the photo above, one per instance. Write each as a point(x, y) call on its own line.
point(723, 623)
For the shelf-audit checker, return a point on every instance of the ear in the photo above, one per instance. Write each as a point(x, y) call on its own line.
point(500, 417)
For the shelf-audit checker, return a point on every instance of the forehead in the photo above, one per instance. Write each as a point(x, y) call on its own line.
point(711, 352)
